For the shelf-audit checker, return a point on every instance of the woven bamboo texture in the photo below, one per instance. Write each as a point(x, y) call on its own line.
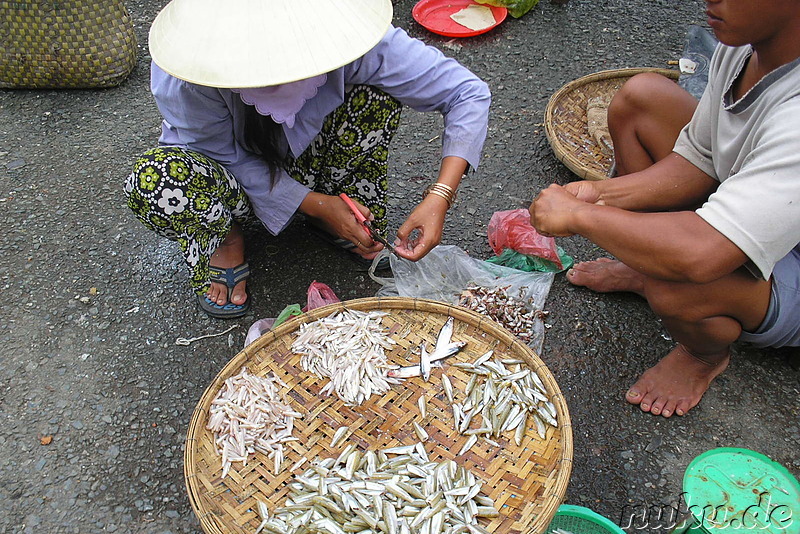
point(566, 125)
point(527, 482)
point(69, 44)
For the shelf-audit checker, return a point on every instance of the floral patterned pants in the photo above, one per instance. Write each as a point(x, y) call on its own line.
point(192, 199)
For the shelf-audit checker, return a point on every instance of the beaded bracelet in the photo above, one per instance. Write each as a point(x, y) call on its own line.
point(441, 190)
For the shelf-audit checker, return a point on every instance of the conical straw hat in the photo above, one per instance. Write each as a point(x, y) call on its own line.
point(257, 43)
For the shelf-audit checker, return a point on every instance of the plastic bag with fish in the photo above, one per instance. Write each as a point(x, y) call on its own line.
point(446, 271)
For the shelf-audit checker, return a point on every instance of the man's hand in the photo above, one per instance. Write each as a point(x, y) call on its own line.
point(553, 209)
point(586, 191)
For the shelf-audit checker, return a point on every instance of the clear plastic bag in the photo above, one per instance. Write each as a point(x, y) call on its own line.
point(447, 270)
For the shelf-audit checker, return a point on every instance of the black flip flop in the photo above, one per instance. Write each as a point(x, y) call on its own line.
point(230, 277)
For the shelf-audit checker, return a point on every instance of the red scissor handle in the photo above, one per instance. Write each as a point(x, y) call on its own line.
point(363, 220)
point(350, 204)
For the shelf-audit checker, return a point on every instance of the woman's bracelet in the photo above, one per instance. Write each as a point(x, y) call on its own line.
point(441, 190)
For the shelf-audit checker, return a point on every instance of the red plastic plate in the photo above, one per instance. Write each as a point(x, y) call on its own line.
point(435, 16)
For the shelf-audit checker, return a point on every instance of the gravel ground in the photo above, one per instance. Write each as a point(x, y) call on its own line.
point(96, 396)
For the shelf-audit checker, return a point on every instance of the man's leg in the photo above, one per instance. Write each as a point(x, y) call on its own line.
point(704, 319)
point(644, 119)
point(605, 275)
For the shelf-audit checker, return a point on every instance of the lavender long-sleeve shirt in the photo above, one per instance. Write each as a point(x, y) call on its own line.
point(211, 121)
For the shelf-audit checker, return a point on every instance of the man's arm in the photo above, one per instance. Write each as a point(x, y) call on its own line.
point(670, 184)
point(668, 245)
point(677, 246)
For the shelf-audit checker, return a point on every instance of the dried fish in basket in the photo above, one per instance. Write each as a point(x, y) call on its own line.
point(394, 490)
point(348, 347)
point(528, 482)
point(249, 415)
point(501, 395)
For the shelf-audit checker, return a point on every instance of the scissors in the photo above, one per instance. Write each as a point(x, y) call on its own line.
point(363, 220)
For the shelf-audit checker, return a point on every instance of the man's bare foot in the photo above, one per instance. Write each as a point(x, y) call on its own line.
point(676, 383)
point(229, 254)
point(605, 275)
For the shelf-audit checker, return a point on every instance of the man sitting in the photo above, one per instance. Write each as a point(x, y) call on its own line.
point(704, 216)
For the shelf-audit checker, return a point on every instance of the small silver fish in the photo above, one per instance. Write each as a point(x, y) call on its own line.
point(434, 357)
point(424, 363)
point(445, 334)
point(447, 350)
point(447, 386)
point(339, 435)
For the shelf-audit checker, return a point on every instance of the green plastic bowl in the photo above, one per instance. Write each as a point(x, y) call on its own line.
point(732, 489)
point(581, 520)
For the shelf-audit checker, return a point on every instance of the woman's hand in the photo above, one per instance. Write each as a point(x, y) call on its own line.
point(333, 215)
point(422, 231)
point(428, 221)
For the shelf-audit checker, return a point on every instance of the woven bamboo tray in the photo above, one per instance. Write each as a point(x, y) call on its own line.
point(565, 120)
point(527, 482)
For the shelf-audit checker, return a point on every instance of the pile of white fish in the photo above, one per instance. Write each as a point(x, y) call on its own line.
point(249, 415)
point(349, 348)
point(514, 313)
point(560, 531)
point(505, 398)
point(391, 491)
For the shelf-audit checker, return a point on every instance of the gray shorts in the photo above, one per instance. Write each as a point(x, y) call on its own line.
point(781, 326)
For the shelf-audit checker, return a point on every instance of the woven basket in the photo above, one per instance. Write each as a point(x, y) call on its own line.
point(565, 120)
point(71, 44)
point(527, 482)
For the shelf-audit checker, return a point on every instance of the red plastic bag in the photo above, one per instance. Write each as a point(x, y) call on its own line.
point(512, 229)
point(319, 295)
